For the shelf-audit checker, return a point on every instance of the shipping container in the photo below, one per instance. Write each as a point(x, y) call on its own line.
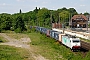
point(45, 31)
point(58, 36)
point(48, 32)
point(52, 33)
point(38, 28)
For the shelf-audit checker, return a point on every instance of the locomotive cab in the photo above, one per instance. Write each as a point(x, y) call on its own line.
point(75, 43)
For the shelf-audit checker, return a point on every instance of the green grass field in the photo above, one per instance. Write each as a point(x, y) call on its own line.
point(12, 53)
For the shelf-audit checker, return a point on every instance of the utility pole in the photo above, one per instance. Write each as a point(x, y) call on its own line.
point(71, 21)
point(59, 21)
point(87, 22)
point(63, 23)
point(51, 20)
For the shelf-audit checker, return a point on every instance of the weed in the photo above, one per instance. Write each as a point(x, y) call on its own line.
point(12, 53)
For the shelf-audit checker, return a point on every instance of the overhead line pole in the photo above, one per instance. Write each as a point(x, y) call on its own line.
point(59, 21)
point(87, 23)
point(51, 20)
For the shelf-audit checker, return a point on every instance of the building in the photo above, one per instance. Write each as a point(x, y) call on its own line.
point(79, 21)
point(56, 25)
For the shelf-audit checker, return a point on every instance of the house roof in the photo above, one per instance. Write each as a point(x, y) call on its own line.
point(75, 17)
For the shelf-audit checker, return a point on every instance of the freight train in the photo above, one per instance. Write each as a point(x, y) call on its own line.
point(70, 41)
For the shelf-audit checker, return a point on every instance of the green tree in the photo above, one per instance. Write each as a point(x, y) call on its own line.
point(0, 25)
point(20, 11)
point(72, 11)
point(5, 21)
point(36, 10)
point(64, 8)
point(64, 17)
point(86, 13)
point(55, 16)
point(42, 16)
point(19, 24)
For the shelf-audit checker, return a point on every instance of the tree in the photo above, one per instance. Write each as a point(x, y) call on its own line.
point(19, 24)
point(64, 17)
point(8, 23)
point(20, 11)
point(0, 25)
point(42, 16)
point(36, 10)
point(86, 13)
point(5, 21)
point(72, 11)
point(64, 8)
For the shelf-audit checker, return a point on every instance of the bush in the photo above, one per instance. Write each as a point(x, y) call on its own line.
point(0, 29)
point(18, 30)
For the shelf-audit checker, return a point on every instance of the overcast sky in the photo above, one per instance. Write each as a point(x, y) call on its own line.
point(13, 6)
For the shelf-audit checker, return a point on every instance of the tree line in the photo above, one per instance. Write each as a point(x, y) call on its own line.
point(19, 22)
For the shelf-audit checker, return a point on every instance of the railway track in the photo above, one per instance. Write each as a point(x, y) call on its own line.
point(85, 45)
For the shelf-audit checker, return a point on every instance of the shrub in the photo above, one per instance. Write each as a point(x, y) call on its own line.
point(0, 29)
point(18, 30)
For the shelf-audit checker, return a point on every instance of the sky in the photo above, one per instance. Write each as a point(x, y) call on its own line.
point(14, 6)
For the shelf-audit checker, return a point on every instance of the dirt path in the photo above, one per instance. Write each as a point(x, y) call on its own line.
point(22, 43)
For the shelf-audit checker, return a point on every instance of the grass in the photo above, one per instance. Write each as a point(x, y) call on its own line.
point(52, 50)
point(2, 40)
point(12, 53)
point(17, 36)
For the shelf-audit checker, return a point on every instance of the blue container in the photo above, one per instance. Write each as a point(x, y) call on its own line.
point(56, 36)
point(52, 33)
